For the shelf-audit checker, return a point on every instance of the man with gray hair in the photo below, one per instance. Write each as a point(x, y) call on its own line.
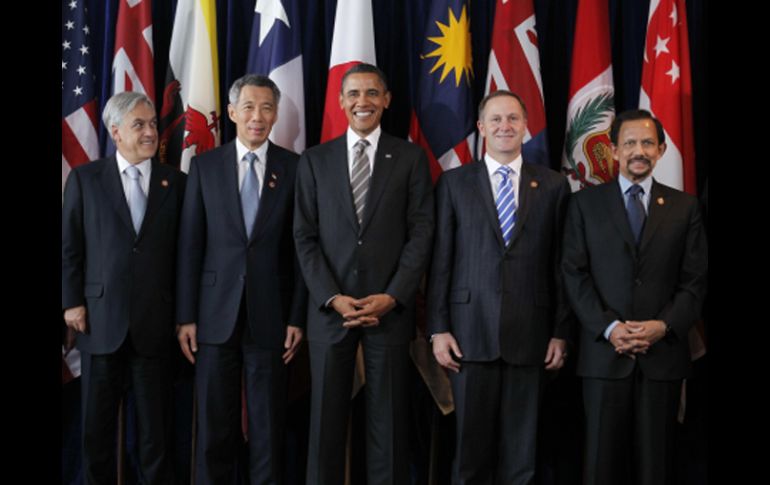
point(119, 228)
point(241, 300)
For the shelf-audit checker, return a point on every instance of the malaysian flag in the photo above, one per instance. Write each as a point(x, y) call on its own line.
point(79, 140)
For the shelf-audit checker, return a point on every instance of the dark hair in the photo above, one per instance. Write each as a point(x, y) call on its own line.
point(497, 94)
point(257, 80)
point(365, 68)
point(633, 115)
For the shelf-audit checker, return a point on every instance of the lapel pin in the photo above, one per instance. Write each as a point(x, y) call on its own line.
point(661, 201)
point(271, 184)
point(533, 184)
point(273, 176)
point(164, 183)
point(388, 155)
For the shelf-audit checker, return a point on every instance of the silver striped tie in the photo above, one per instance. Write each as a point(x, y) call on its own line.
point(359, 179)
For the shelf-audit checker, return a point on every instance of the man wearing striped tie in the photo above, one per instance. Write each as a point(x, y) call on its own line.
point(497, 314)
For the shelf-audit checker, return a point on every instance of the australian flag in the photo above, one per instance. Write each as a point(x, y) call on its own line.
point(276, 51)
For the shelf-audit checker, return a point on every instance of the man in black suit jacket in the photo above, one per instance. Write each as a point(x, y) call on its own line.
point(241, 300)
point(119, 228)
point(634, 267)
point(362, 257)
point(495, 298)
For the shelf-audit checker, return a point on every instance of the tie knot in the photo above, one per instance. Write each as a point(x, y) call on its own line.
point(250, 157)
point(360, 146)
point(635, 190)
point(133, 172)
point(505, 171)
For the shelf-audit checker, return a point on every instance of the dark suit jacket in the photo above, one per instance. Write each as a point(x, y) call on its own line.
point(216, 260)
point(608, 279)
point(388, 254)
point(498, 301)
point(125, 280)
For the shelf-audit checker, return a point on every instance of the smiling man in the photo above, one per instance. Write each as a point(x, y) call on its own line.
point(363, 226)
point(497, 313)
point(634, 266)
point(241, 300)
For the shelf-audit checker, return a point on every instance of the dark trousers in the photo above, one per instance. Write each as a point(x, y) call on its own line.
point(220, 370)
point(496, 407)
point(630, 430)
point(105, 380)
point(385, 392)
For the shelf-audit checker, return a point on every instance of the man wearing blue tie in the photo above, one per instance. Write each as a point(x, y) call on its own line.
point(634, 266)
point(241, 299)
point(497, 313)
point(119, 226)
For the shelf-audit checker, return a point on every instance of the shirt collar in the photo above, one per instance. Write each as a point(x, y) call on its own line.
point(625, 184)
point(493, 165)
point(143, 166)
point(261, 151)
point(373, 138)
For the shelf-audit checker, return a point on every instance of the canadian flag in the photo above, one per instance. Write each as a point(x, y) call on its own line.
point(352, 43)
point(667, 91)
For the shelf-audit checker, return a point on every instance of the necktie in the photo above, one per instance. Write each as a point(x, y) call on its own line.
point(137, 200)
point(250, 194)
point(635, 210)
point(506, 203)
point(359, 179)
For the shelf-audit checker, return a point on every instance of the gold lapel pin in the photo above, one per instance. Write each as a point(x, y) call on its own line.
point(661, 201)
point(533, 184)
point(164, 183)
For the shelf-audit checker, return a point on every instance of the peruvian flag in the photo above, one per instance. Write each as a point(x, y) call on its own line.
point(587, 158)
point(352, 43)
point(514, 64)
point(667, 91)
point(132, 65)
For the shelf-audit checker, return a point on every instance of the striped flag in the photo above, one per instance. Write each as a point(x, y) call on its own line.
point(132, 64)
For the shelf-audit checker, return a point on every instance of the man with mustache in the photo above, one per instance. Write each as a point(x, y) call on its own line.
point(634, 265)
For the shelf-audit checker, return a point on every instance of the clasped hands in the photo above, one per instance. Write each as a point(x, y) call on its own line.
point(363, 312)
point(634, 337)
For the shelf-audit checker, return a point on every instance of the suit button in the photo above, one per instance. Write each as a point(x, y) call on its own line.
point(243, 277)
point(360, 242)
point(135, 250)
point(355, 272)
point(638, 282)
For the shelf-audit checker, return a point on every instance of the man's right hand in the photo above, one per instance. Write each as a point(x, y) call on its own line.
point(75, 318)
point(343, 304)
point(186, 334)
point(443, 343)
point(625, 341)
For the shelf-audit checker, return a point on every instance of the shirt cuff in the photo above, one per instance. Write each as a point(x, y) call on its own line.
point(610, 328)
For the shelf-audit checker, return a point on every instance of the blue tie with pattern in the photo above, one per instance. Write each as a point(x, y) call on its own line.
point(250, 194)
point(137, 200)
point(506, 203)
point(635, 210)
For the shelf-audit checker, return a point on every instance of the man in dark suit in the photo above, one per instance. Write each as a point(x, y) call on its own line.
point(363, 243)
point(634, 266)
point(119, 228)
point(241, 300)
point(496, 311)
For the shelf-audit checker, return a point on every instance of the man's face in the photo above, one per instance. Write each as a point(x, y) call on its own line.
point(364, 99)
point(254, 115)
point(137, 136)
point(638, 149)
point(503, 125)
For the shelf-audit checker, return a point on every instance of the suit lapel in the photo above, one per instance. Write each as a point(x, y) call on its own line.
point(228, 181)
point(113, 188)
point(341, 178)
point(271, 186)
point(656, 212)
point(617, 209)
point(384, 161)
point(484, 193)
point(159, 188)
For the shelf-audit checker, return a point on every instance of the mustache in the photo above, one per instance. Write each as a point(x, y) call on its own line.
point(639, 159)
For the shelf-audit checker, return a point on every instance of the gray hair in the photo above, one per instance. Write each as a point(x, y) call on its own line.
point(257, 80)
point(120, 105)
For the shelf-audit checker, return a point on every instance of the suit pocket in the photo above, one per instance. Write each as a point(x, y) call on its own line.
point(93, 290)
point(460, 296)
point(208, 278)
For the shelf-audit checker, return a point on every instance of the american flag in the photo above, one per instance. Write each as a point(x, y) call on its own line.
point(80, 142)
